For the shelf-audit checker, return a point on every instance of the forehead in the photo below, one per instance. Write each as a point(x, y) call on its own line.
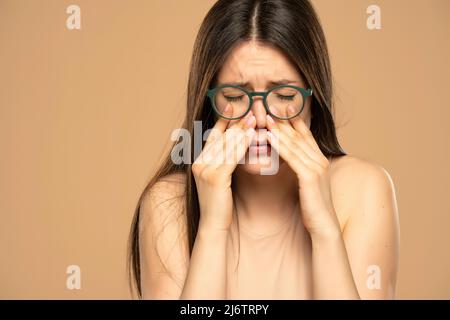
point(251, 61)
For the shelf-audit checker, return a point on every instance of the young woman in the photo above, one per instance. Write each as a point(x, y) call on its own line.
point(323, 225)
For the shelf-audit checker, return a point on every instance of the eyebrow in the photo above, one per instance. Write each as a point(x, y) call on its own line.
point(273, 82)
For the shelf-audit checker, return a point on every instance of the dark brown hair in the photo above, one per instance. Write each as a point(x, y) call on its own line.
point(292, 26)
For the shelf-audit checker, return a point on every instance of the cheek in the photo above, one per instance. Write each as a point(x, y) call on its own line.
point(307, 116)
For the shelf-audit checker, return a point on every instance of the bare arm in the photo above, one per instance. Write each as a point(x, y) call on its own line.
point(166, 270)
point(372, 238)
point(332, 274)
point(163, 242)
point(206, 278)
point(361, 262)
point(207, 275)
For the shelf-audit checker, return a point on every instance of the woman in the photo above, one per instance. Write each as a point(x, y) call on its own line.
point(322, 225)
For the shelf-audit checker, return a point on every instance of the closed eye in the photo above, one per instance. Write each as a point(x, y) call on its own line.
point(282, 97)
point(231, 99)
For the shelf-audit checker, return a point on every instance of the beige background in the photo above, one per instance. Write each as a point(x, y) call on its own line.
point(85, 115)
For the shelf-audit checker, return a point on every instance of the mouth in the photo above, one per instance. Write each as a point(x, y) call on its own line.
point(260, 139)
point(260, 144)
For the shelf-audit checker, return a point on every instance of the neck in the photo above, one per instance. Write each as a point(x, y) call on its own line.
point(259, 199)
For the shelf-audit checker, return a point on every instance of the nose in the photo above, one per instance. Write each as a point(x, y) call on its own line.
point(259, 112)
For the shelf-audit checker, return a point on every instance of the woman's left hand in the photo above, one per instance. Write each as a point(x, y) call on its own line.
point(294, 142)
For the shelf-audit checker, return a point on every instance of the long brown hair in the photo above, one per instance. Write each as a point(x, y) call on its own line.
point(292, 26)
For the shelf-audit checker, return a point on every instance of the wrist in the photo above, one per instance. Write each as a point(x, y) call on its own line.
point(331, 232)
point(209, 229)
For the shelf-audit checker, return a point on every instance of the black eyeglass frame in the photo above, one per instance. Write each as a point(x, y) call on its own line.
point(211, 94)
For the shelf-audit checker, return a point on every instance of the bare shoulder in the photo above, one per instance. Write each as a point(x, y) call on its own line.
point(356, 168)
point(173, 183)
point(167, 187)
point(353, 180)
point(163, 242)
point(163, 202)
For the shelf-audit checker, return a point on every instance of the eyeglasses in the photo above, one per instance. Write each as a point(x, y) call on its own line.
point(276, 101)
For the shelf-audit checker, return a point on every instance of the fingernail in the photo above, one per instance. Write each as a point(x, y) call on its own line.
point(269, 118)
point(227, 107)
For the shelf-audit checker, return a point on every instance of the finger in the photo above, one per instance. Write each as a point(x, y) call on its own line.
point(282, 124)
point(275, 139)
point(292, 152)
point(229, 149)
point(290, 135)
point(213, 152)
point(246, 122)
point(245, 129)
point(238, 146)
point(299, 124)
point(221, 124)
point(304, 135)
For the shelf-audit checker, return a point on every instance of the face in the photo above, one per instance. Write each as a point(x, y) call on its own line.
point(260, 66)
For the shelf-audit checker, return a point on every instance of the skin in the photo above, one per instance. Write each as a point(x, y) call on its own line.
point(347, 205)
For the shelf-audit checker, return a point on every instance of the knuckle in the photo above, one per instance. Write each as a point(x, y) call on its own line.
point(298, 136)
point(204, 175)
point(196, 167)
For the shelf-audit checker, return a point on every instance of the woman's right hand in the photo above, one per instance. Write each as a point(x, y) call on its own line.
point(213, 169)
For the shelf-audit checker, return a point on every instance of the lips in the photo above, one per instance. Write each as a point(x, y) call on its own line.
point(261, 143)
point(260, 146)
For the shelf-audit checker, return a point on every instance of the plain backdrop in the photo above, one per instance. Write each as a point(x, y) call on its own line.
point(86, 114)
